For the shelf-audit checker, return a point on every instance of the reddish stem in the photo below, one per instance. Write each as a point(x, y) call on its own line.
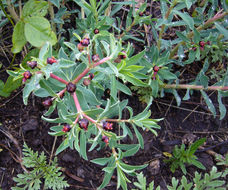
point(58, 79)
point(76, 102)
point(88, 69)
point(81, 75)
point(76, 120)
point(101, 61)
point(92, 121)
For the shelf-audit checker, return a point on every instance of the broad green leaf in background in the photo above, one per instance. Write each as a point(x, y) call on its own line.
point(209, 103)
point(38, 31)
point(35, 8)
point(18, 38)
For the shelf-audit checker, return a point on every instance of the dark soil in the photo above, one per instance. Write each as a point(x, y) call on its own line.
point(24, 124)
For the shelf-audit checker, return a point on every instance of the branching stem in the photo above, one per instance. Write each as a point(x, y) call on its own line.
point(58, 78)
point(194, 87)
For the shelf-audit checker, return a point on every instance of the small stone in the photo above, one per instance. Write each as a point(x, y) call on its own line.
point(30, 125)
point(154, 167)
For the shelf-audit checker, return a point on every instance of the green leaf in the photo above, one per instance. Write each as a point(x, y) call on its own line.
point(35, 8)
point(38, 31)
point(100, 161)
point(47, 87)
point(222, 108)
point(196, 145)
point(56, 2)
point(185, 16)
point(222, 30)
point(64, 145)
point(166, 74)
point(135, 59)
point(123, 88)
point(155, 87)
point(182, 37)
point(139, 136)
point(31, 86)
point(198, 164)
point(18, 38)
point(209, 103)
point(131, 151)
point(83, 142)
point(107, 178)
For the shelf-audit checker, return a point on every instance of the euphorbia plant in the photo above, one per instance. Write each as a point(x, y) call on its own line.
point(84, 117)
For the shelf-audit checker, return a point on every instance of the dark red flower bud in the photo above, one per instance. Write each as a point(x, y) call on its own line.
point(107, 125)
point(85, 42)
point(47, 102)
point(61, 95)
point(156, 68)
point(32, 64)
point(86, 82)
point(202, 43)
point(83, 123)
point(141, 13)
point(105, 139)
point(51, 60)
point(27, 74)
point(208, 43)
point(91, 76)
point(70, 87)
point(80, 47)
point(95, 58)
point(122, 55)
point(66, 128)
point(96, 31)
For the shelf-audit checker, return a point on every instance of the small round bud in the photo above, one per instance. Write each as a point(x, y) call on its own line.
point(86, 82)
point(122, 55)
point(83, 123)
point(51, 60)
point(66, 128)
point(32, 64)
point(202, 43)
point(27, 74)
point(105, 139)
point(47, 102)
point(141, 13)
point(96, 31)
point(95, 58)
point(156, 68)
point(70, 87)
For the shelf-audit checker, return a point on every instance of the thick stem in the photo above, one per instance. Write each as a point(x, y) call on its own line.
point(77, 102)
point(194, 87)
point(58, 79)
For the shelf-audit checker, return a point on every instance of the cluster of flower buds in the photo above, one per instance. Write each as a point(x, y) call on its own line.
point(83, 124)
point(107, 126)
point(66, 128)
point(70, 87)
point(32, 64)
point(156, 69)
point(26, 75)
point(202, 44)
point(83, 43)
point(51, 60)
